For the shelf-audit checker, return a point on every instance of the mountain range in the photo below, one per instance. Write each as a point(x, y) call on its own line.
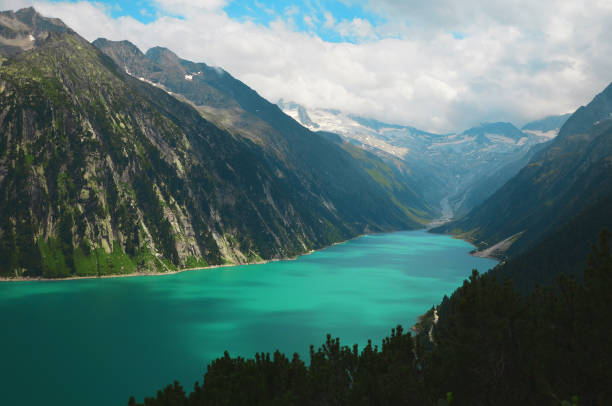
point(459, 169)
point(546, 218)
point(113, 161)
point(534, 197)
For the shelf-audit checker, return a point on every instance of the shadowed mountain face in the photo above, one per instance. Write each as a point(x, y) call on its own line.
point(101, 172)
point(232, 105)
point(569, 175)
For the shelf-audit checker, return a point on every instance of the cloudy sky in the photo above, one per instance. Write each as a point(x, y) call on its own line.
point(440, 65)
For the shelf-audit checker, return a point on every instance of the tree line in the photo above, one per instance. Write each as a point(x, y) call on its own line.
point(491, 345)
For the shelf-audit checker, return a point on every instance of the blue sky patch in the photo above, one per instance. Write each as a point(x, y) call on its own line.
point(141, 10)
point(317, 16)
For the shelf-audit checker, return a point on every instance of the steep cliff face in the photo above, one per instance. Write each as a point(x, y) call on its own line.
point(232, 105)
point(104, 173)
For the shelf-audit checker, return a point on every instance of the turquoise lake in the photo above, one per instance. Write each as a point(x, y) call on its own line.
point(98, 341)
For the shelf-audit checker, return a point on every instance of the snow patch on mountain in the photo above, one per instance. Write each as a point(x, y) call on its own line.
point(458, 160)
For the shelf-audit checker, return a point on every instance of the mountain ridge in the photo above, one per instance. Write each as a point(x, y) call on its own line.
point(114, 175)
point(547, 125)
point(572, 172)
point(465, 167)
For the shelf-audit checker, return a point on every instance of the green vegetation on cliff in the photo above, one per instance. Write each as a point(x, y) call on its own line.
point(103, 173)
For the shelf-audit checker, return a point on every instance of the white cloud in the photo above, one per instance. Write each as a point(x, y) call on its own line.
point(267, 10)
point(14, 4)
point(189, 6)
point(518, 60)
point(330, 21)
point(291, 11)
point(309, 21)
point(357, 28)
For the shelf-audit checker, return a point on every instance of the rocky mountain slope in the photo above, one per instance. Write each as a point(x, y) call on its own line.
point(101, 172)
point(232, 105)
point(24, 30)
point(567, 177)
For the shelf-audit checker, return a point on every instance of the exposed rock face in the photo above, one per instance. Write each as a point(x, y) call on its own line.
point(25, 29)
point(101, 172)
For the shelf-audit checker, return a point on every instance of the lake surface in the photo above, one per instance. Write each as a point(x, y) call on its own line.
point(98, 341)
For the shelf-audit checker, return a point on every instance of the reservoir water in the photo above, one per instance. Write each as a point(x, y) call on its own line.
point(98, 341)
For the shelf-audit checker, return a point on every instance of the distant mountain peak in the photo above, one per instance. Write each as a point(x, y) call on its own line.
point(25, 29)
point(124, 44)
point(375, 124)
point(297, 112)
point(128, 56)
point(163, 56)
point(34, 19)
point(500, 128)
point(547, 127)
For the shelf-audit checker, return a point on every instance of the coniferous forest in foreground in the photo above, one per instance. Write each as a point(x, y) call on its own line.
point(490, 345)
